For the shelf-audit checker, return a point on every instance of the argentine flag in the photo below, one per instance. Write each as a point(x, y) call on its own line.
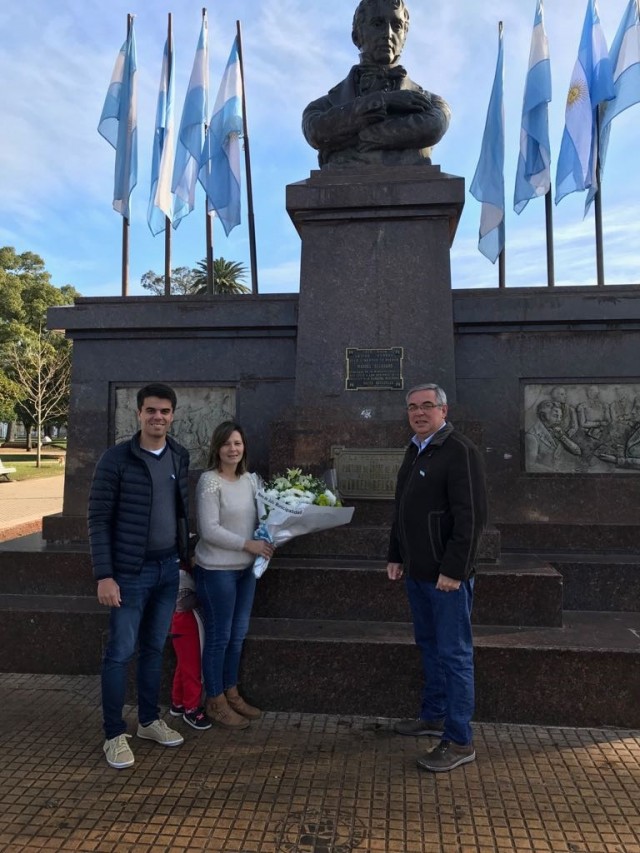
point(161, 197)
point(488, 182)
point(220, 171)
point(625, 61)
point(533, 174)
point(591, 85)
point(119, 123)
point(191, 133)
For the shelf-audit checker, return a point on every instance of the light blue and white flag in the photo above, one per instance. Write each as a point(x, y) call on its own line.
point(220, 172)
point(161, 198)
point(119, 123)
point(533, 174)
point(591, 85)
point(191, 133)
point(625, 61)
point(488, 182)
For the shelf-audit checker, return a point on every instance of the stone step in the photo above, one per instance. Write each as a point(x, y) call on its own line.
point(545, 676)
point(546, 536)
point(31, 567)
point(584, 674)
point(523, 593)
point(368, 542)
point(597, 581)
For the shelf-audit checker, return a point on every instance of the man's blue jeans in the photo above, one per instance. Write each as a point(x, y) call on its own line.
point(226, 598)
point(442, 629)
point(143, 618)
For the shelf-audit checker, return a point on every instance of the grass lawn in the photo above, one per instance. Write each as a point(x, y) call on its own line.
point(25, 465)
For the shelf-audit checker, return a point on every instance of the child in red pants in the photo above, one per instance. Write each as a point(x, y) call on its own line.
point(186, 692)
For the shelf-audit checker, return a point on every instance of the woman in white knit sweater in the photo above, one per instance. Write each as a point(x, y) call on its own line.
point(225, 583)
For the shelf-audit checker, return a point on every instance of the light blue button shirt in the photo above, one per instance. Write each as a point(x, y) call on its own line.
point(422, 444)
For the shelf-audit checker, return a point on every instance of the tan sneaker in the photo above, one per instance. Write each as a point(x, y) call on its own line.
point(160, 732)
point(118, 752)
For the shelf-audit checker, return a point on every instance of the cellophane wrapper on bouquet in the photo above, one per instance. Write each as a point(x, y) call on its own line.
point(293, 505)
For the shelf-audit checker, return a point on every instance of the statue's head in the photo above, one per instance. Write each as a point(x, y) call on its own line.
point(380, 29)
point(550, 413)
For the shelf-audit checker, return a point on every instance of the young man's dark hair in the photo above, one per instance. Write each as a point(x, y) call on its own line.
point(157, 389)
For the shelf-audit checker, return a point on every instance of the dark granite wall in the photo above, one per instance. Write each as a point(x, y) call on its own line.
point(502, 340)
point(242, 342)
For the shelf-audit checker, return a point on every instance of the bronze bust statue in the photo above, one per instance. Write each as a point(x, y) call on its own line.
point(377, 114)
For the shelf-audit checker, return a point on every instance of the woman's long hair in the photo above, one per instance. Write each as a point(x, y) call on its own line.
point(220, 435)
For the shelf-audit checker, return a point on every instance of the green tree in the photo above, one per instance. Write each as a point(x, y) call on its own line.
point(182, 282)
point(41, 367)
point(227, 278)
point(26, 292)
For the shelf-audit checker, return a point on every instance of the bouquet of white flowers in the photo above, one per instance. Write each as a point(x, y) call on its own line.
point(292, 505)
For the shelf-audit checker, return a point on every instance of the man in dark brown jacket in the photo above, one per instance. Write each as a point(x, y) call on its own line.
point(440, 513)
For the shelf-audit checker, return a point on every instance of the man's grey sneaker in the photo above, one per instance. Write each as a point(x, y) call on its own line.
point(197, 719)
point(118, 752)
point(159, 731)
point(417, 728)
point(447, 755)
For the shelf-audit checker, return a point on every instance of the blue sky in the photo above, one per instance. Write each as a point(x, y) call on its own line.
point(57, 172)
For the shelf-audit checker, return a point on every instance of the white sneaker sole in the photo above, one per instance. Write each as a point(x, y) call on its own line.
point(121, 765)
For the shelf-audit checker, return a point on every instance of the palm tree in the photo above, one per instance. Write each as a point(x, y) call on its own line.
point(227, 277)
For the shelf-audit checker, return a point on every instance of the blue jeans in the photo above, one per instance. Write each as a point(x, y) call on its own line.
point(442, 629)
point(144, 616)
point(226, 599)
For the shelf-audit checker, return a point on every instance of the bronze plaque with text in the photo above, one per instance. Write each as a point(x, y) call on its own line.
point(367, 473)
point(374, 369)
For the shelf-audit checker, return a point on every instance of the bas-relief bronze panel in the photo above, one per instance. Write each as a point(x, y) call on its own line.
point(582, 428)
point(199, 411)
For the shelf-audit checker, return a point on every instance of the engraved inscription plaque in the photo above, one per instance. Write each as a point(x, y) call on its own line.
point(199, 411)
point(367, 472)
point(374, 369)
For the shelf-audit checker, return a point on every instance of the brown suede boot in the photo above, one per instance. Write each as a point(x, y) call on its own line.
point(240, 706)
point(221, 714)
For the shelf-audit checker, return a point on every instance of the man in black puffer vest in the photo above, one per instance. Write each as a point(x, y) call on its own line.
point(138, 534)
point(440, 513)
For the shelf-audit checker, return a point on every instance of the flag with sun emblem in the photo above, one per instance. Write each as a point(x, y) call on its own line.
point(591, 85)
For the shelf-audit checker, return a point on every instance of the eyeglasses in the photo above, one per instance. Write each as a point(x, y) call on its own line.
point(423, 407)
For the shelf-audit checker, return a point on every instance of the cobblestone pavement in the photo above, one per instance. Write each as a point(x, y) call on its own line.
point(304, 783)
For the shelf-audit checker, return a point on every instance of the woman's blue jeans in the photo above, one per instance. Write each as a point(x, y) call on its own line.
point(143, 618)
point(442, 629)
point(226, 599)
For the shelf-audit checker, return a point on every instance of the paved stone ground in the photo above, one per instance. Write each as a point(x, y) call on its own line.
point(22, 504)
point(300, 783)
